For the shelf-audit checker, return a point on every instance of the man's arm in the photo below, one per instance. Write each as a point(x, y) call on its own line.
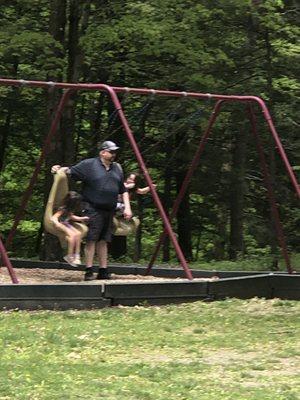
point(127, 210)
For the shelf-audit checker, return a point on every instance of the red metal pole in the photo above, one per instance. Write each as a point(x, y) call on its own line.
point(279, 146)
point(156, 198)
point(268, 184)
point(187, 179)
point(7, 263)
point(44, 151)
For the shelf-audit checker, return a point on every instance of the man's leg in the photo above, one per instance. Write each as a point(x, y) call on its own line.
point(89, 258)
point(102, 253)
point(102, 258)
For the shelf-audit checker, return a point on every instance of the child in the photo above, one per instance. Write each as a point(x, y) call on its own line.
point(63, 218)
point(130, 184)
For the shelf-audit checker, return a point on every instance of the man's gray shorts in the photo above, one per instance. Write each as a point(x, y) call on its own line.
point(100, 223)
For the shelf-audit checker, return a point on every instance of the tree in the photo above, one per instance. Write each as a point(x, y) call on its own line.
point(211, 46)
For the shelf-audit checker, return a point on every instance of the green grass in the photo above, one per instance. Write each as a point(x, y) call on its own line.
point(257, 263)
point(235, 349)
point(253, 263)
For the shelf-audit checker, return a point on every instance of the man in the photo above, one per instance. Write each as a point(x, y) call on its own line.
point(103, 181)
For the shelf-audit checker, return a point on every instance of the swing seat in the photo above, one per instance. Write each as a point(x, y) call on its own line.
point(58, 192)
point(122, 227)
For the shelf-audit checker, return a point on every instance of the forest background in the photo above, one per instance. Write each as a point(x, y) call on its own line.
point(210, 46)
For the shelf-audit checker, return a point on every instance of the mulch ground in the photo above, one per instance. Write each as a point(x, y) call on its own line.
point(44, 276)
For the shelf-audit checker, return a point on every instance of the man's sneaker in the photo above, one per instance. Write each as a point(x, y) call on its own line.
point(103, 274)
point(70, 260)
point(88, 276)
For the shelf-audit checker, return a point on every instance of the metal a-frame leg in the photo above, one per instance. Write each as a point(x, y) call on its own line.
point(187, 179)
point(270, 191)
point(7, 263)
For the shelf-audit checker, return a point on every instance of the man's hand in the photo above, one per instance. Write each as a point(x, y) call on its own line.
point(127, 213)
point(55, 168)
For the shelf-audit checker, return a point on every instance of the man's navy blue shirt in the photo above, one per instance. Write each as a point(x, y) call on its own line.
point(101, 187)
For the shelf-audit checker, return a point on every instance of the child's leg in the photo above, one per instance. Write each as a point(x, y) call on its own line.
point(69, 258)
point(75, 239)
point(67, 229)
point(70, 233)
point(71, 244)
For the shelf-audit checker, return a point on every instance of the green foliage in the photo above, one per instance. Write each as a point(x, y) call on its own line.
point(228, 46)
point(26, 48)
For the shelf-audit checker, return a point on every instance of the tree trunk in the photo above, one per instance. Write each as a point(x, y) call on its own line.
point(4, 133)
point(5, 129)
point(96, 125)
point(219, 244)
point(139, 233)
point(51, 249)
point(271, 151)
point(236, 240)
point(118, 247)
point(184, 220)
point(167, 205)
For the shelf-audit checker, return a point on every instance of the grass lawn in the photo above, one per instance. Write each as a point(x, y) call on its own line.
point(259, 263)
point(234, 349)
point(253, 263)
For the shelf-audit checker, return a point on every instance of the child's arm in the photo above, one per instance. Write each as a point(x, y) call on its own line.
point(76, 218)
point(130, 185)
point(144, 190)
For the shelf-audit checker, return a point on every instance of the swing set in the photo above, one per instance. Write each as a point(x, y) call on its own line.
point(216, 99)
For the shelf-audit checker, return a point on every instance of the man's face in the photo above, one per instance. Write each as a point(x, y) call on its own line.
point(108, 155)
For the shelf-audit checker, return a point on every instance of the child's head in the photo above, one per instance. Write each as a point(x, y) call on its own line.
point(72, 201)
point(131, 180)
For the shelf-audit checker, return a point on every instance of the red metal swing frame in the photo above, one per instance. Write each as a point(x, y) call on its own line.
point(112, 91)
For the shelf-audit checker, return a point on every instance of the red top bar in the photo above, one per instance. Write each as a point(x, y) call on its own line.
point(117, 89)
point(208, 96)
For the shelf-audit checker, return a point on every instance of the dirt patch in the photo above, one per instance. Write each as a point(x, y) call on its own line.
point(227, 357)
point(44, 276)
point(40, 275)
